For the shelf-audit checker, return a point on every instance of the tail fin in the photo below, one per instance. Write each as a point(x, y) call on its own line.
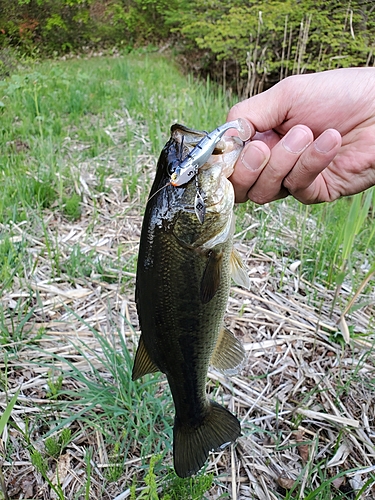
point(191, 445)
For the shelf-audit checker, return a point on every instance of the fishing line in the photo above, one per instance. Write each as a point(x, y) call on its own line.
point(158, 191)
point(182, 147)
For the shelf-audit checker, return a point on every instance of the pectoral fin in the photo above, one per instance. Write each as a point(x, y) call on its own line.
point(229, 352)
point(211, 276)
point(142, 363)
point(238, 270)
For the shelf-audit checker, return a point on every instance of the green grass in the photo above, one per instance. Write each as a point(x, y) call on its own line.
point(75, 134)
point(57, 102)
point(335, 242)
point(107, 390)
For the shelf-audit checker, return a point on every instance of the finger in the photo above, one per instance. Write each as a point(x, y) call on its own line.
point(267, 110)
point(248, 168)
point(284, 156)
point(303, 181)
point(270, 137)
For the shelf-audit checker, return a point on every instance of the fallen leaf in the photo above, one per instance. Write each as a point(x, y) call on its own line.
point(27, 486)
point(338, 482)
point(62, 469)
point(285, 482)
point(302, 446)
point(303, 450)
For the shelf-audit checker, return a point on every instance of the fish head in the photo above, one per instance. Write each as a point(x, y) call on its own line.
point(211, 179)
point(212, 184)
point(175, 206)
point(226, 150)
point(179, 145)
point(182, 141)
point(213, 176)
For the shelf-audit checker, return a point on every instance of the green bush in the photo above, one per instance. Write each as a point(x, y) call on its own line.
point(67, 25)
point(259, 43)
point(247, 46)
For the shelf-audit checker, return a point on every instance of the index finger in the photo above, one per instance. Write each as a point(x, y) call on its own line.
point(264, 111)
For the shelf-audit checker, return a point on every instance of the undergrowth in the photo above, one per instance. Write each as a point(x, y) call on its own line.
point(72, 133)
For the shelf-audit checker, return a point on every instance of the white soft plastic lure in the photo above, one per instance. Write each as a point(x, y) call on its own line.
point(198, 156)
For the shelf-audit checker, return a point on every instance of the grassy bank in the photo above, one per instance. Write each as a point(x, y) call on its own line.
point(80, 140)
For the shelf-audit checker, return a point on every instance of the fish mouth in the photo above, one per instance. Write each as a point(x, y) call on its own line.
point(204, 148)
point(226, 156)
point(187, 140)
point(203, 170)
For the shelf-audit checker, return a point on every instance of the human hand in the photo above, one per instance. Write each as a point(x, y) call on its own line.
point(315, 138)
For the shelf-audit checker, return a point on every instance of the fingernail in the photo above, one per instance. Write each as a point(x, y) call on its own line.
point(326, 141)
point(253, 159)
point(296, 140)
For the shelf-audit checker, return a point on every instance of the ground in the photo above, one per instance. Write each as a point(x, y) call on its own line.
point(304, 394)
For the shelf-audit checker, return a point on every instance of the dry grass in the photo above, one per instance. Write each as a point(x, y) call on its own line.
point(305, 399)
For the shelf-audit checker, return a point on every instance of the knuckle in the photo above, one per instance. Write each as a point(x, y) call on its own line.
point(235, 111)
point(259, 199)
point(289, 184)
point(299, 177)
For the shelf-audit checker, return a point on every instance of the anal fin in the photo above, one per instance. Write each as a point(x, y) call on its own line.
point(238, 270)
point(229, 353)
point(143, 364)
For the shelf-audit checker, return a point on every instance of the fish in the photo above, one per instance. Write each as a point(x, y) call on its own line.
point(184, 270)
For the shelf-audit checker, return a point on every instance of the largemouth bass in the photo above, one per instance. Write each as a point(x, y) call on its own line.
point(182, 287)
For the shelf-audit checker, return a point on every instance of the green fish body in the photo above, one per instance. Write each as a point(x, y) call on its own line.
point(182, 287)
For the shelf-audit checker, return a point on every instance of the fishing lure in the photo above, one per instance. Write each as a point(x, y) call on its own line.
point(198, 156)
